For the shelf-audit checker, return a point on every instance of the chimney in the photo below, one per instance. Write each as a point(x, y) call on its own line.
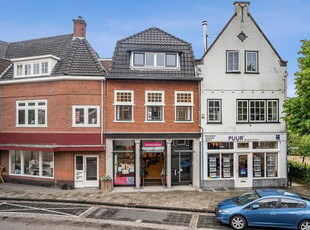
point(79, 30)
point(242, 9)
point(205, 36)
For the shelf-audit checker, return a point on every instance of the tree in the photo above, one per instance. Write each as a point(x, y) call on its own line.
point(297, 109)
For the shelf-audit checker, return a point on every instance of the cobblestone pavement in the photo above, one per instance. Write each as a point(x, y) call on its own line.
point(173, 199)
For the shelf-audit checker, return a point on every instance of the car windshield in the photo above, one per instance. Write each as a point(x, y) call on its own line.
point(247, 197)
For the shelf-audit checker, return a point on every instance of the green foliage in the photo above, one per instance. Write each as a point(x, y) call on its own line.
point(106, 177)
point(299, 145)
point(300, 171)
point(297, 109)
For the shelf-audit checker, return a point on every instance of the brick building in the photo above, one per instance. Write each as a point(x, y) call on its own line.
point(152, 112)
point(51, 102)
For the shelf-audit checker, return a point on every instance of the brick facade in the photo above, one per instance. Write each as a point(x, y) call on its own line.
point(139, 125)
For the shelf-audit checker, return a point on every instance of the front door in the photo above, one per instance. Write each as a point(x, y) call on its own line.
point(243, 165)
point(181, 166)
point(86, 171)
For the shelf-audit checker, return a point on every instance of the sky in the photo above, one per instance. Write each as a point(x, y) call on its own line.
point(284, 22)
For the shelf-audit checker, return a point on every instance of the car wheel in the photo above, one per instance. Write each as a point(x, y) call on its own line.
point(304, 225)
point(238, 222)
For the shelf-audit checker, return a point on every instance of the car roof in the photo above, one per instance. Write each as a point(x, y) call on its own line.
point(276, 192)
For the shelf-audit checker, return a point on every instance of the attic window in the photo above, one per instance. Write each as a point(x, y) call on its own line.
point(154, 60)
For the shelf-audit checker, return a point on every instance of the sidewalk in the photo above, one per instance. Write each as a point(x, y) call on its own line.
point(178, 198)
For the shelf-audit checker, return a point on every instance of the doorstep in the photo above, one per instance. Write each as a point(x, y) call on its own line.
point(154, 189)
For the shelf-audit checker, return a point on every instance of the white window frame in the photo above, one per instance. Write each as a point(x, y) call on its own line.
point(220, 111)
point(32, 64)
point(277, 107)
point(22, 164)
point(131, 103)
point(26, 108)
point(161, 104)
point(259, 121)
point(144, 66)
point(183, 104)
point(86, 108)
point(246, 61)
point(227, 61)
point(247, 111)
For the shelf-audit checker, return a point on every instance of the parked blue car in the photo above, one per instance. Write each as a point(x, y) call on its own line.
point(265, 208)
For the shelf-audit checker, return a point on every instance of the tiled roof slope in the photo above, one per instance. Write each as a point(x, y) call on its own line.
point(3, 47)
point(157, 40)
point(77, 57)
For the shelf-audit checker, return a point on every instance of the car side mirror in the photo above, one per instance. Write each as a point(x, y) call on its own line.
point(255, 206)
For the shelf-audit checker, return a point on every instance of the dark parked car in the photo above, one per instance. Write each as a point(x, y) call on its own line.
point(265, 208)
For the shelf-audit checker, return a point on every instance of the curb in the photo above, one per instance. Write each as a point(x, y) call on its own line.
point(129, 205)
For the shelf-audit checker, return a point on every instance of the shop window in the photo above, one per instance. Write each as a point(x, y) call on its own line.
point(123, 101)
point(258, 164)
point(265, 145)
point(184, 106)
point(251, 61)
point(232, 61)
point(271, 164)
point(31, 113)
point(154, 101)
point(220, 165)
point(85, 116)
point(243, 145)
point(214, 111)
point(227, 165)
point(124, 162)
point(32, 163)
point(220, 145)
point(214, 166)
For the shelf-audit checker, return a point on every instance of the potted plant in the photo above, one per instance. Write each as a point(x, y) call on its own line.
point(106, 183)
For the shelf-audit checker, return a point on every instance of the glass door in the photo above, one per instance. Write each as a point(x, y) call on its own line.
point(86, 171)
point(181, 167)
point(244, 172)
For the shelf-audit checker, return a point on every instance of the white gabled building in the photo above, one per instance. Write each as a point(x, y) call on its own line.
point(242, 95)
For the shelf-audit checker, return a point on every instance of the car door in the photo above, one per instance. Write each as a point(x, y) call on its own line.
point(263, 212)
point(291, 212)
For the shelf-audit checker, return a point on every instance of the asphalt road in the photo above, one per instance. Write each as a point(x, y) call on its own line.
point(46, 216)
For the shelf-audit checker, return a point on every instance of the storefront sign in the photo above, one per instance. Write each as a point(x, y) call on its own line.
point(236, 138)
point(124, 180)
point(153, 144)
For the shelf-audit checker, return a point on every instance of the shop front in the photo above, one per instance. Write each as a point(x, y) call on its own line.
point(245, 160)
point(153, 162)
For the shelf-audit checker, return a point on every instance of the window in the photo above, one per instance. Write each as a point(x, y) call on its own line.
point(32, 163)
point(220, 145)
point(220, 165)
point(265, 145)
point(29, 69)
point(184, 106)
point(267, 203)
point(265, 165)
point(272, 110)
point(123, 101)
point(232, 61)
point(251, 62)
point(257, 111)
point(154, 102)
point(290, 203)
point(214, 111)
point(31, 113)
point(155, 60)
point(87, 116)
point(258, 164)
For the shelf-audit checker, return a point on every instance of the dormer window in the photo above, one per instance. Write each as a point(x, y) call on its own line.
point(155, 60)
point(34, 66)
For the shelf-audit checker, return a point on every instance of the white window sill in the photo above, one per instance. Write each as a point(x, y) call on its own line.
point(183, 121)
point(31, 126)
point(154, 121)
point(124, 121)
point(45, 177)
point(85, 126)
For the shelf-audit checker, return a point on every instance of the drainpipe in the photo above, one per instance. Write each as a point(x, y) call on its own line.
point(102, 111)
point(201, 157)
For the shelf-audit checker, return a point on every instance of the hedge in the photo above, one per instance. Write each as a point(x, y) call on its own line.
point(300, 171)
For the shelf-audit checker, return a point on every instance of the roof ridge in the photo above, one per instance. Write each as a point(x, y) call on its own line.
point(63, 35)
point(72, 52)
point(150, 29)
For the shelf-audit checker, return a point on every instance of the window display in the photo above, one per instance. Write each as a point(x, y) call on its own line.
point(124, 162)
point(220, 145)
point(271, 163)
point(227, 166)
point(258, 165)
point(214, 166)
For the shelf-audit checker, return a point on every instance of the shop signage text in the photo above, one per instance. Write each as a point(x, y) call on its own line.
point(236, 138)
point(153, 144)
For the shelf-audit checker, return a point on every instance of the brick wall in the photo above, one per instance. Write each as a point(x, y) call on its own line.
point(60, 96)
point(139, 88)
